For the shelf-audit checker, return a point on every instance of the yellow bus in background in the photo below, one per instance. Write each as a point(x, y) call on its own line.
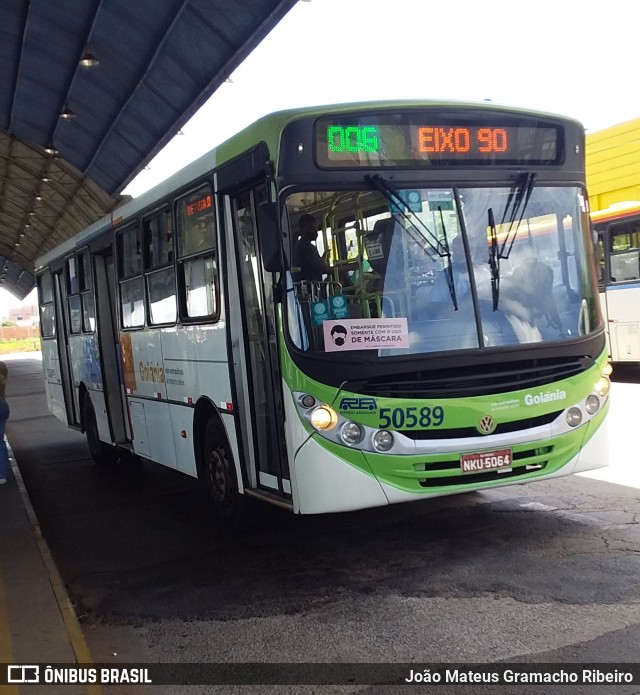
point(613, 181)
point(613, 165)
point(618, 256)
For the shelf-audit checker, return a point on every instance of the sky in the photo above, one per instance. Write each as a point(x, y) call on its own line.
point(577, 58)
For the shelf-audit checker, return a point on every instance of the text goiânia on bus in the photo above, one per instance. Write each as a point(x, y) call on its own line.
point(343, 307)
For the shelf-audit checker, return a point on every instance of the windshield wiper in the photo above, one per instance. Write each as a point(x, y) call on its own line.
point(440, 247)
point(494, 261)
point(516, 202)
point(436, 246)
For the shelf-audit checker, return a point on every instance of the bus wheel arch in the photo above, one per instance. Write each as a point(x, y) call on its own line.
point(204, 411)
point(83, 392)
point(216, 466)
point(103, 454)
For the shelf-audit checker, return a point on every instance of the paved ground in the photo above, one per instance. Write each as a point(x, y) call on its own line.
point(539, 573)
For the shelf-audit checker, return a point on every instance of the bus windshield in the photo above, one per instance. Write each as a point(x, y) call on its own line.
point(417, 271)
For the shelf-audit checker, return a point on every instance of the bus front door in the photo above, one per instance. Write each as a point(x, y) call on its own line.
point(256, 372)
point(113, 382)
point(66, 370)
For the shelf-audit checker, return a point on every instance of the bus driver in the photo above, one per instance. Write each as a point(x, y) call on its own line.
point(308, 264)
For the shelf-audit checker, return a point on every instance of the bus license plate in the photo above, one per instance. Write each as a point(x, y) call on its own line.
point(485, 461)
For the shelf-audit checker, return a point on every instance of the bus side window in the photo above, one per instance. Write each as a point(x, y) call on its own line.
point(73, 296)
point(130, 277)
point(45, 300)
point(197, 255)
point(86, 292)
point(132, 303)
point(159, 271)
point(199, 278)
point(625, 252)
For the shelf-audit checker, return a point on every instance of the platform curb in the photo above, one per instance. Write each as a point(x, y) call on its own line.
point(67, 611)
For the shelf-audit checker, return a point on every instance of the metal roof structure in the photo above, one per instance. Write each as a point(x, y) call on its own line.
point(91, 90)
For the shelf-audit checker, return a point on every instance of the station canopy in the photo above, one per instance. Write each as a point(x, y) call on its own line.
point(91, 90)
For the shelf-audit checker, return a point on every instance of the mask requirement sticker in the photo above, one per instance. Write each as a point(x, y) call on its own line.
point(365, 334)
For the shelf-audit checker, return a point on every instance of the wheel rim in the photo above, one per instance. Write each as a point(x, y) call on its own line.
point(219, 480)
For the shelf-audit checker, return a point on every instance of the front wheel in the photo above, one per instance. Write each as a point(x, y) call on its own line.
point(103, 454)
point(219, 477)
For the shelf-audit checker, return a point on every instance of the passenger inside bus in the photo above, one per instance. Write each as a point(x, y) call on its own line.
point(307, 263)
point(385, 256)
point(529, 293)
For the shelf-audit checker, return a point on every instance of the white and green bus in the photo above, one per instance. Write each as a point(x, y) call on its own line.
point(454, 342)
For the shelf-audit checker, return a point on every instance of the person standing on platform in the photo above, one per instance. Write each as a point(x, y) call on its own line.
point(4, 416)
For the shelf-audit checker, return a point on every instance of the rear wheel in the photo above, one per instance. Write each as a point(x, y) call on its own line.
point(219, 477)
point(103, 454)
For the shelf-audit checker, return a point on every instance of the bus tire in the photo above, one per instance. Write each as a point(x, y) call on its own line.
point(103, 454)
point(219, 477)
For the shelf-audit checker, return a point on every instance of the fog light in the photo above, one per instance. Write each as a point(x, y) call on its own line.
point(306, 400)
point(324, 417)
point(383, 440)
point(351, 433)
point(574, 417)
point(592, 404)
point(602, 387)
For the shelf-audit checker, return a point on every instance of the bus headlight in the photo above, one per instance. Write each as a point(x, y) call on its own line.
point(602, 387)
point(574, 417)
point(324, 417)
point(592, 404)
point(383, 440)
point(607, 369)
point(351, 433)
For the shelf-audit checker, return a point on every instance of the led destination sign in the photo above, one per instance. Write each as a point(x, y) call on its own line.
point(200, 205)
point(412, 140)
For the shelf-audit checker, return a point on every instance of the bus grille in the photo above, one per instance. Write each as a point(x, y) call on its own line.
point(472, 380)
point(463, 432)
point(524, 463)
point(480, 477)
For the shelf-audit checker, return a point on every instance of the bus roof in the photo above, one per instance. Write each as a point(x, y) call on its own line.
point(617, 211)
point(268, 130)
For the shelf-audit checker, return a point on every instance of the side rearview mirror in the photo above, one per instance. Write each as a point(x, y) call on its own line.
point(270, 238)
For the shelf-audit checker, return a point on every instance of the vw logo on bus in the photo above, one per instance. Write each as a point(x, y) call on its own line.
point(486, 425)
